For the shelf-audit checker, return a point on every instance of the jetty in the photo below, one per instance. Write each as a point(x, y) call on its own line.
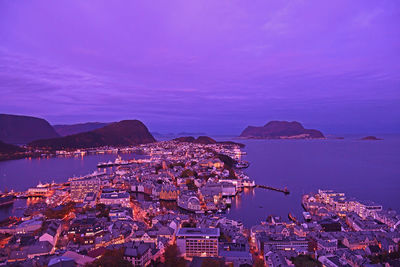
point(293, 218)
point(285, 190)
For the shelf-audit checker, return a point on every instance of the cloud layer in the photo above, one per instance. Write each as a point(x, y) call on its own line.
point(213, 66)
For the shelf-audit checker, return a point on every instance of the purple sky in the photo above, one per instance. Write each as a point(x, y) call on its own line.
point(210, 66)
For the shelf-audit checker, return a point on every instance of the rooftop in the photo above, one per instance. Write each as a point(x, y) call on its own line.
point(214, 232)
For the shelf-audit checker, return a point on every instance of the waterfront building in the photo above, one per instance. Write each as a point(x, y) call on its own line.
point(80, 188)
point(200, 242)
point(367, 208)
point(169, 193)
point(189, 202)
point(39, 191)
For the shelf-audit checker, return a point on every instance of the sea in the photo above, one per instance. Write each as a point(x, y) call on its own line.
point(366, 170)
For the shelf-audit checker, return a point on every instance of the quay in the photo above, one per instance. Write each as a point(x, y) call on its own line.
point(285, 190)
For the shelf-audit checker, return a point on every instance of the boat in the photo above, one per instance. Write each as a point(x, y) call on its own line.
point(242, 164)
point(105, 164)
point(118, 162)
point(6, 200)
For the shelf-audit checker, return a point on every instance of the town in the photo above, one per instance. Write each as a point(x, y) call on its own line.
point(169, 208)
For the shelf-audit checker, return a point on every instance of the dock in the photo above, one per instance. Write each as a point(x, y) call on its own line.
point(285, 190)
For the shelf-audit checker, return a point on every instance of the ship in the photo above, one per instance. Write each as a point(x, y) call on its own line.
point(6, 200)
point(118, 162)
point(105, 164)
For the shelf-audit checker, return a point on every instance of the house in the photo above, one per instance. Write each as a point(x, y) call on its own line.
point(235, 253)
point(85, 231)
point(39, 249)
point(332, 261)
point(275, 259)
point(61, 262)
point(139, 254)
point(52, 233)
point(80, 260)
point(16, 255)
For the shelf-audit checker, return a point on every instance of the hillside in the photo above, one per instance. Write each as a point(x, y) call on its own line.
point(15, 129)
point(68, 129)
point(9, 149)
point(123, 133)
point(281, 130)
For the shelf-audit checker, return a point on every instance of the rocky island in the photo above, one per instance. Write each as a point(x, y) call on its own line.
point(370, 138)
point(205, 140)
point(281, 130)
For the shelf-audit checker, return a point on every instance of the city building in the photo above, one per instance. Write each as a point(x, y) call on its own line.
point(80, 188)
point(200, 242)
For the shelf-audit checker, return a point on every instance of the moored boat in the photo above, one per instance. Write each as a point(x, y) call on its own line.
point(6, 200)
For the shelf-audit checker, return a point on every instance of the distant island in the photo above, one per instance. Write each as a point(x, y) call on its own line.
point(281, 130)
point(370, 138)
point(123, 133)
point(204, 140)
point(68, 129)
point(16, 129)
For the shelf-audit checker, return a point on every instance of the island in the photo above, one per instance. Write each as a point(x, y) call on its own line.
point(370, 138)
point(205, 140)
point(281, 130)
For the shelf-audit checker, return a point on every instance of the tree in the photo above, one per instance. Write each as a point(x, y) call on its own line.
point(211, 263)
point(258, 262)
point(111, 258)
point(188, 173)
point(103, 210)
point(172, 257)
point(60, 211)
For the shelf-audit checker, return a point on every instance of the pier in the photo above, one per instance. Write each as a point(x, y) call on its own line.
point(285, 190)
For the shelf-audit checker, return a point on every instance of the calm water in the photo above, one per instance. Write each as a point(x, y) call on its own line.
point(367, 170)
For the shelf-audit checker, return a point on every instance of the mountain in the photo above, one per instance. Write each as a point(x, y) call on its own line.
point(123, 133)
point(68, 129)
point(15, 129)
point(280, 130)
point(8, 148)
